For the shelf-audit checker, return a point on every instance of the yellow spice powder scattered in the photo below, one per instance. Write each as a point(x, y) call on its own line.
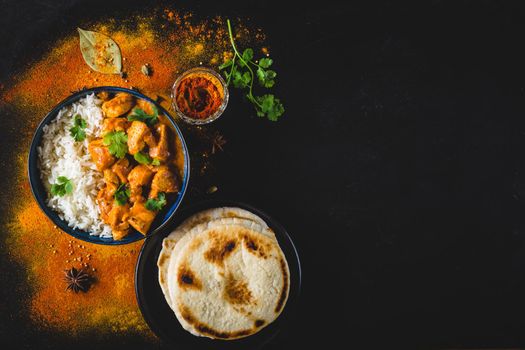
point(169, 46)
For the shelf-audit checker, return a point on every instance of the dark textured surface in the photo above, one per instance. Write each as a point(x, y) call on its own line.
point(398, 168)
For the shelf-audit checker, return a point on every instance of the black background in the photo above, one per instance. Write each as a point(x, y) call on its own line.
point(398, 167)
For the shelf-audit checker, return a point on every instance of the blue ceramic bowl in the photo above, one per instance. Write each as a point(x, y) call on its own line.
point(40, 192)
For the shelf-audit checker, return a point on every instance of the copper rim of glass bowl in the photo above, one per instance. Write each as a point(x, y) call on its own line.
point(217, 113)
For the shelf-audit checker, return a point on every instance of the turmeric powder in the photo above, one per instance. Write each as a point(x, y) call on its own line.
point(170, 45)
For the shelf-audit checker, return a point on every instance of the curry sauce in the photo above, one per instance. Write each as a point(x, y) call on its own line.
point(140, 158)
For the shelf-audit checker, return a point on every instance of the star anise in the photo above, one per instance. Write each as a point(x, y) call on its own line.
point(77, 280)
point(217, 142)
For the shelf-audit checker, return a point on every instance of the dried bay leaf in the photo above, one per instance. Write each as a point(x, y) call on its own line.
point(100, 52)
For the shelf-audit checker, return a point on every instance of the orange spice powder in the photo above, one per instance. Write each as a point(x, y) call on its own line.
point(169, 46)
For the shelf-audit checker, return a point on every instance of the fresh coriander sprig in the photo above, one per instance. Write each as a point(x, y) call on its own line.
point(142, 158)
point(117, 143)
point(62, 187)
point(156, 204)
point(239, 71)
point(122, 194)
point(77, 131)
point(141, 116)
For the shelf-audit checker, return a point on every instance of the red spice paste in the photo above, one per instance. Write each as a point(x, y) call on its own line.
point(198, 96)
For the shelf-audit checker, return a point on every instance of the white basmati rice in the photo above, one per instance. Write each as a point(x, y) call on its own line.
point(60, 155)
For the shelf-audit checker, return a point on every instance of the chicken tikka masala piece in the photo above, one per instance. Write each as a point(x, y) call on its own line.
point(136, 155)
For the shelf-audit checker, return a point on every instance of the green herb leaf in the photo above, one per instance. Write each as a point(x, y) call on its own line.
point(241, 80)
point(77, 131)
point(270, 107)
point(236, 78)
point(122, 194)
point(229, 74)
point(226, 64)
point(241, 72)
point(100, 52)
point(261, 75)
point(141, 116)
point(246, 78)
point(247, 56)
point(266, 77)
point(142, 158)
point(117, 142)
point(265, 62)
point(78, 121)
point(155, 162)
point(156, 204)
point(269, 81)
point(62, 187)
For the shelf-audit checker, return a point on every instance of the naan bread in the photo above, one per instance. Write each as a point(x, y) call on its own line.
point(185, 237)
point(168, 244)
point(228, 279)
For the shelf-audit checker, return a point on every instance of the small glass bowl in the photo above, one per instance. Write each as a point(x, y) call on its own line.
point(216, 78)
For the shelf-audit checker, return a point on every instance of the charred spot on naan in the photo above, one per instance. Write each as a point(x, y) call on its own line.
point(236, 291)
point(259, 323)
point(220, 248)
point(284, 290)
point(187, 279)
point(255, 245)
point(207, 330)
point(242, 310)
